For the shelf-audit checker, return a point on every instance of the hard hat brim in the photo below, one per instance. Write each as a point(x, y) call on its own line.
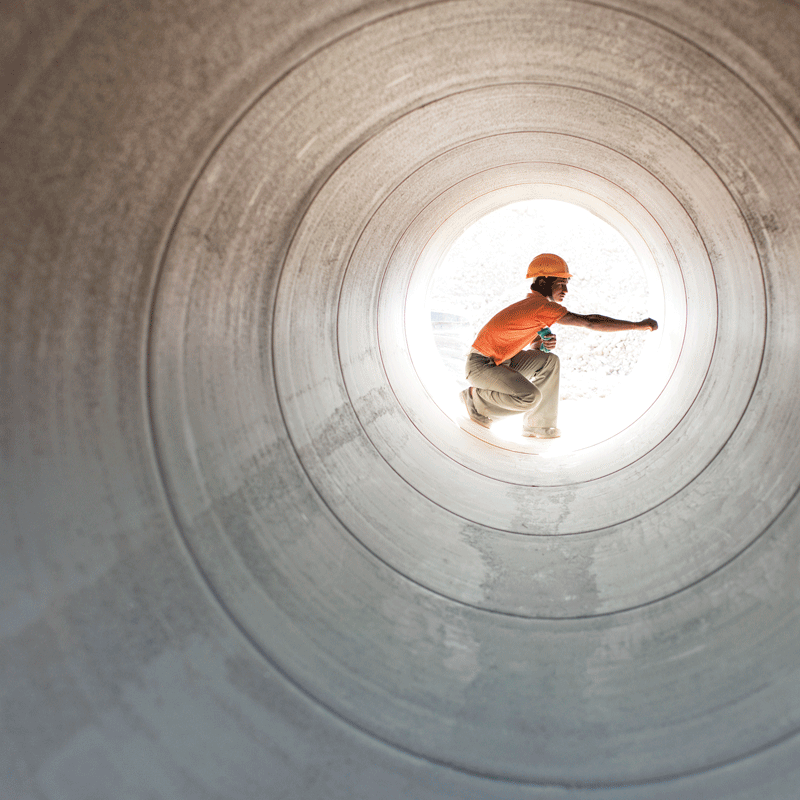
point(538, 273)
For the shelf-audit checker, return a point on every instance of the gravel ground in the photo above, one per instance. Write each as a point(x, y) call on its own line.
point(485, 269)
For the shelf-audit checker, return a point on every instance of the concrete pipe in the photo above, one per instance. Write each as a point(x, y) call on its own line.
point(247, 552)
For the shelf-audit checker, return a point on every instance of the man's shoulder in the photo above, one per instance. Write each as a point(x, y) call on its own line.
point(536, 301)
point(536, 297)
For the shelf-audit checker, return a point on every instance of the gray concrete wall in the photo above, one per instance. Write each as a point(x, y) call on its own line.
point(245, 552)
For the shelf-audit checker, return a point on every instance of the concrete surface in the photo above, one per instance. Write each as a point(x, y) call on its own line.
point(246, 552)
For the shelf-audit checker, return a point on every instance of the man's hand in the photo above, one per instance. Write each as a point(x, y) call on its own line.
point(650, 324)
point(550, 341)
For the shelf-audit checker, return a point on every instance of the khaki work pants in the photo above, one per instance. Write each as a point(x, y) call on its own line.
point(528, 382)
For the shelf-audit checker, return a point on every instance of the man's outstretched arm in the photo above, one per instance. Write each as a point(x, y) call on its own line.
point(597, 322)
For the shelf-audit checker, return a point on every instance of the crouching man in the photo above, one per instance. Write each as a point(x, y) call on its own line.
point(506, 378)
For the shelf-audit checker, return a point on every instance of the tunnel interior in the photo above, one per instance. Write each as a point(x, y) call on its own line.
point(249, 552)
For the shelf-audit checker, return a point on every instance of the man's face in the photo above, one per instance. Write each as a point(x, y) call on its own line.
point(560, 289)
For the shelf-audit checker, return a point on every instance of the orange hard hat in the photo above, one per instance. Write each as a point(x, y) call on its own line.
point(548, 264)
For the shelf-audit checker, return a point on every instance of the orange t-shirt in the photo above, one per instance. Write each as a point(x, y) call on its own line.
point(515, 327)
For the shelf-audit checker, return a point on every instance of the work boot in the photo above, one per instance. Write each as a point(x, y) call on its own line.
point(474, 414)
point(542, 433)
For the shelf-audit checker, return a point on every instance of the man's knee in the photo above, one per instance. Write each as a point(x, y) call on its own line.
point(529, 399)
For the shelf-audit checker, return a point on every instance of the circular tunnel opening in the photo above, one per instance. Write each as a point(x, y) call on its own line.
point(484, 271)
point(608, 380)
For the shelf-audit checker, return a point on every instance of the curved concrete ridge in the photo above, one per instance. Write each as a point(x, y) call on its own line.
point(249, 552)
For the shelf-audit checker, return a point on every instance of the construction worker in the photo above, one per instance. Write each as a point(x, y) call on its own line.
point(505, 378)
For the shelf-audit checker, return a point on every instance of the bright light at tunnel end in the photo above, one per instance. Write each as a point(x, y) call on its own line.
point(605, 381)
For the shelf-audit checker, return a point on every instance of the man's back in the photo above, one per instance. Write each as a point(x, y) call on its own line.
point(515, 327)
